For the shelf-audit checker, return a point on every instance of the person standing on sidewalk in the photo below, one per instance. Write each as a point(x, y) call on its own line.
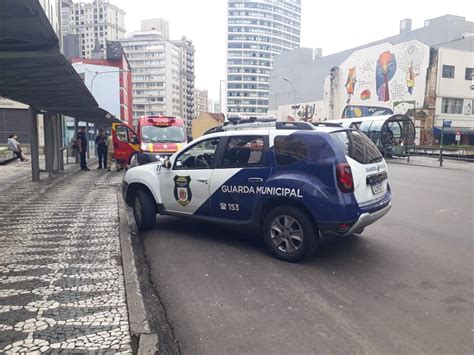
point(110, 152)
point(82, 145)
point(101, 142)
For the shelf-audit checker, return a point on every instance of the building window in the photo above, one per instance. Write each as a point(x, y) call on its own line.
point(448, 71)
point(451, 105)
point(469, 74)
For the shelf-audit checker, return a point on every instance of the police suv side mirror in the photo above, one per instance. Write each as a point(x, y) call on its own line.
point(166, 163)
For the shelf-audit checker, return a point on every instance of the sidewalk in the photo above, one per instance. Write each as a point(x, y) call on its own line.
point(434, 162)
point(61, 277)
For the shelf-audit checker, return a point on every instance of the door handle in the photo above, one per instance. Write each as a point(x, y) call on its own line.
point(256, 180)
point(204, 180)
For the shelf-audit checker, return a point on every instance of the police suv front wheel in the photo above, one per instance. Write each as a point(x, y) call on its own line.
point(289, 234)
point(144, 210)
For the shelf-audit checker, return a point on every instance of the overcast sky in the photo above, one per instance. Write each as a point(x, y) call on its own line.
point(332, 25)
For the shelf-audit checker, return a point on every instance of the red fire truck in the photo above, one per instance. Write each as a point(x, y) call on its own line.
point(155, 138)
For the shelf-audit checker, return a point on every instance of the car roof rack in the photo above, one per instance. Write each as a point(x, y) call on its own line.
point(263, 125)
point(327, 124)
point(256, 122)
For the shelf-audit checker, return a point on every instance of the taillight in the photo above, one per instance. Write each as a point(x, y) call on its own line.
point(344, 177)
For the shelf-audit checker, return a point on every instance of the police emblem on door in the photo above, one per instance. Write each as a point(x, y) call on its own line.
point(182, 192)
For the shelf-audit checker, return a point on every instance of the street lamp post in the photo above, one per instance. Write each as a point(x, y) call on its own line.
point(294, 92)
point(106, 72)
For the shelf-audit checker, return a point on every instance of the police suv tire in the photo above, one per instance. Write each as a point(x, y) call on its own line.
point(310, 236)
point(144, 210)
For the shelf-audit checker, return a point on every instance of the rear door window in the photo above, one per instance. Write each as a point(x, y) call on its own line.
point(357, 146)
point(289, 149)
point(244, 152)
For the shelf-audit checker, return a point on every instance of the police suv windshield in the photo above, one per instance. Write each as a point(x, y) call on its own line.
point(166, 134)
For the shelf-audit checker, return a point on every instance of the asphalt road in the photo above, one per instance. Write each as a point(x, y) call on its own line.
point(404, 286)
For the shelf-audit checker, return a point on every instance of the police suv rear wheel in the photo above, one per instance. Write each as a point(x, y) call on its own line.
point(289, 234)
point(144, 210)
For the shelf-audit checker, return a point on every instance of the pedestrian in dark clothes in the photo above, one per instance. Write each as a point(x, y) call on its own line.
point(82, 145)
point(101, 142)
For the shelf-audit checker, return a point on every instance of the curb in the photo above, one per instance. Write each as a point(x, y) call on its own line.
point(145, 342)
point(149, 326)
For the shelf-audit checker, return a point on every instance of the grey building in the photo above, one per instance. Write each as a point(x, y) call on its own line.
point(186, 74)
point(306, 69)
point(258, 30)
point(95, 23)
point(157, 24)
point(162, 75)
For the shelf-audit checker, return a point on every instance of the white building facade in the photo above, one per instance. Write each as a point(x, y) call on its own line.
point(95, 22)
point(257, 31)
point(201, 101)
point(455, 90)
point(157, 76)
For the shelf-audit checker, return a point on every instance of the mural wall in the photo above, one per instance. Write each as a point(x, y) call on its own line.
point(314, 111)
point(382, 76)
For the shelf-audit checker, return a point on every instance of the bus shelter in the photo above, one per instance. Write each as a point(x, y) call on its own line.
point(33, 71)
point(391, 133)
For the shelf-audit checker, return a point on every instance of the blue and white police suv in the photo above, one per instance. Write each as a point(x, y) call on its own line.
point(292, 181)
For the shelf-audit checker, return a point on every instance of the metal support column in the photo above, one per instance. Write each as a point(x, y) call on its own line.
point(88, 138)
point(62, 145)
point(48, 142)
point(35, 170)
point(57, 145)
point(76, 127)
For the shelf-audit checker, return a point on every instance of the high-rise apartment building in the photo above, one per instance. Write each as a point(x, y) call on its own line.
point(155, 74)
point(200, 101)
point(258, 30)
point(187, 76)
point(157, 24)
point(162, 75)
point(95, 23)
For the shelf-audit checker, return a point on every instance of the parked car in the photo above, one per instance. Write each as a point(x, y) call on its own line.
point(291, 181)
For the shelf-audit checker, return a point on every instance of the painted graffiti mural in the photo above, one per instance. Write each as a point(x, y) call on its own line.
point(350, 84)
point(308, 112)
point(386, 68)
point(381, 76)
point(372, 81)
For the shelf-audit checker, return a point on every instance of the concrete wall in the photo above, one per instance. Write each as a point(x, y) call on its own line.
point(205, 121)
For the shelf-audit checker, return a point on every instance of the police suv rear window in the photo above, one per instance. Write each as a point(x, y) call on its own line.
point(357, 146)
point(289, 149)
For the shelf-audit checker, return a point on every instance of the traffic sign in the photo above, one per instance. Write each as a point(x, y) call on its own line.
point(458, 136)
point(447, 123)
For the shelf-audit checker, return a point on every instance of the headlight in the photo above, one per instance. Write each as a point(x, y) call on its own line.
point(144, 147)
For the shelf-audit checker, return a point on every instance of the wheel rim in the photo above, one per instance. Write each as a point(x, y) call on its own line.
point(286, 234)
point(138, 210)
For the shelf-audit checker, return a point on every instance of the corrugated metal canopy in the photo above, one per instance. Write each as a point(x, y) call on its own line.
point(33, 70)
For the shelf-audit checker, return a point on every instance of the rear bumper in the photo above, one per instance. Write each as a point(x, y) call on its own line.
point(366, 219)
point(366, 216)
